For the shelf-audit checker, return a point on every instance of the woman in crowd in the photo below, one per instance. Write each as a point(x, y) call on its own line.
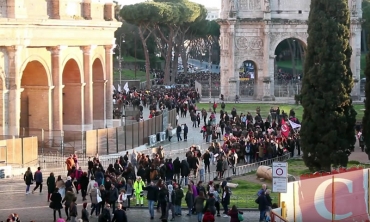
point(56, 203)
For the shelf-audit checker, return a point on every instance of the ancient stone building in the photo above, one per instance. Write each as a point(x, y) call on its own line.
point(55, 64)
point(252, 29)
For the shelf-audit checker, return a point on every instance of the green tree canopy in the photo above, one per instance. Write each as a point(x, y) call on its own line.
point(327, 135)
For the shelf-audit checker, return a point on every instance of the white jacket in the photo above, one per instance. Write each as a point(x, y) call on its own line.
point(90, 186)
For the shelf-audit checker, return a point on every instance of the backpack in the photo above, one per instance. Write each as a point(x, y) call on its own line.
point(361, 138)
point(247, 148)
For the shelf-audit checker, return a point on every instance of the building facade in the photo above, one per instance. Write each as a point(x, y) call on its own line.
point(213, 14)
point(252, 29)
point(56, 67)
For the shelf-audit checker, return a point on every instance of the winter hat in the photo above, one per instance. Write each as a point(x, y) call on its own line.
point(69, 178)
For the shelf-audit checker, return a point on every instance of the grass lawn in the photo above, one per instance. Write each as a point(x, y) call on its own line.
point(288, 64)
point(265, 108)
point(128, 74)
point(296, 167)
point(243, 196)
point(363, 64)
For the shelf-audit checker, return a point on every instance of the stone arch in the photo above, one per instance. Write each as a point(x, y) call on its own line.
point(302, 37)
point(78, 62)
point(101, 58)
point(98, 93)
point(36, 96)
point(287, 83)
point(73, 102)
point(43, 62)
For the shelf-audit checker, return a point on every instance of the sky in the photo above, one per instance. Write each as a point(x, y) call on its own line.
point(206, 3)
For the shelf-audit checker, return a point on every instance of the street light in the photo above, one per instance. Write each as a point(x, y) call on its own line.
point(119, 58)
point(210, 77)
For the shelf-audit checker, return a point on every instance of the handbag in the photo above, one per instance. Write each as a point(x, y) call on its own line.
point(240, 216)
point(98, 198)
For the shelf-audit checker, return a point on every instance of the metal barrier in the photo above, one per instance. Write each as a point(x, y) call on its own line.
point(276, 217)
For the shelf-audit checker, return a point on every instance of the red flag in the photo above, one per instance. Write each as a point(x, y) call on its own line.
point(284, 129)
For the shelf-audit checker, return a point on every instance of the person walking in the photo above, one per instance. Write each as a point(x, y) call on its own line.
point(95, 197)
point(170, 202)
point(119, 215)
point(170, 134)
point(186, 131)
point(113, 197)
point(189, 199)
point(178, 133)
point(138, 188)
point(67, 200)
point(38, 178)
point(262, 206)
point(199, 203)
point(50, 183)
point(73, 210)
point(61, 186)
point(56, 203)
point(84, 212)
point(84, 183)
point(28, 179)
point(152, 196)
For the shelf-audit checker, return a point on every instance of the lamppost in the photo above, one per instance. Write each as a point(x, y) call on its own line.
point(210, 77)
point(119, 58)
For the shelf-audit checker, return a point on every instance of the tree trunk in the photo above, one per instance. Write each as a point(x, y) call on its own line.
point(184, 58)
point(168, 55)
point(147, 60)
point(175, 63)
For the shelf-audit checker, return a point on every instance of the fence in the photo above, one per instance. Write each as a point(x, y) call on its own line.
point(101, 141)
point(18, 151)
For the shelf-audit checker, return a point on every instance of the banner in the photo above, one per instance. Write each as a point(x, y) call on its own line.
point(338, 197)
point(294, 125)
point(284, 129)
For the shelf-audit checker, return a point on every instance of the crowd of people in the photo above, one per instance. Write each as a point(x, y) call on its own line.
point(233, 138)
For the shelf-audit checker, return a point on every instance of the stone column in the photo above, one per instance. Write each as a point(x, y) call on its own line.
point(234, 75)
point(88, 91)
point(109, 88)
point(57, 95)
point(12, 99)
point(55, 9)
point(86, 9)
point(108, 12)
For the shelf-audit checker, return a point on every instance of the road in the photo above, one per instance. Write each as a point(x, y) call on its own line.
point(202, 65)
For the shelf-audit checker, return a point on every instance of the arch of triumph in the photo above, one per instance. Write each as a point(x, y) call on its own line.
point(252, 29)
point(56, 67)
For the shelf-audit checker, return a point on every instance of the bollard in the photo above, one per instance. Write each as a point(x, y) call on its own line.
point(283, 210)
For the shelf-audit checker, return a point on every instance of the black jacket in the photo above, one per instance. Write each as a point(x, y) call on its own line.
point(176, 165)
point(185, 169)
point(152, 192)
point(119, 216)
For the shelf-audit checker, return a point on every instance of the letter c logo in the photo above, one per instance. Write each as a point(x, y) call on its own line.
point(320, 202)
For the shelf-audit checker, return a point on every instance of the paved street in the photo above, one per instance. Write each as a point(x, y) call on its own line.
point(35, 207)
point(203, 65)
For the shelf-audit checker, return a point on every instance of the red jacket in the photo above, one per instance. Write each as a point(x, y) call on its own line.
point(208, 217)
